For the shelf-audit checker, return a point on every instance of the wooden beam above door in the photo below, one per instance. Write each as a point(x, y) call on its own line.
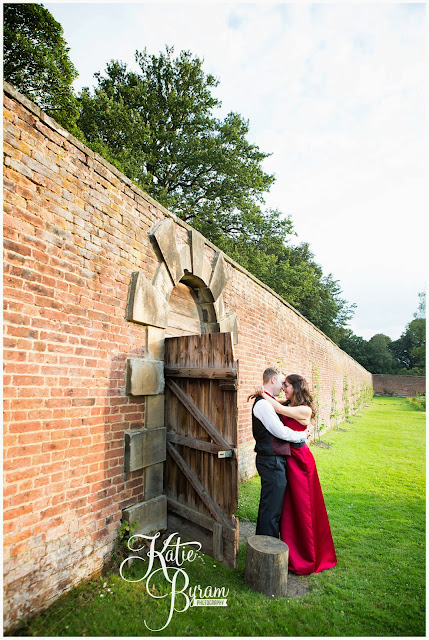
point(207, 373)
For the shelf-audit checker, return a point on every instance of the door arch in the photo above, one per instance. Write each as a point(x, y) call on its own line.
point(184, 317)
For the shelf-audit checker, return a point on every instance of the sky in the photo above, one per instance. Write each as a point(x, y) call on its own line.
point(337, 94)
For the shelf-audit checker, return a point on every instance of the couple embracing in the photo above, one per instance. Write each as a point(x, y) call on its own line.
point(291, 502)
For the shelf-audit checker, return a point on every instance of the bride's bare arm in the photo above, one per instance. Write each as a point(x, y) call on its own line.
point(259, 391)
point(302, 413)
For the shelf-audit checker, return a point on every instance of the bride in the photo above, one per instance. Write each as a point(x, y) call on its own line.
point(304, 524)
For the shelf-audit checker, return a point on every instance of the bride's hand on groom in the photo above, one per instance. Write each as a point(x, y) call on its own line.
point(258, 392)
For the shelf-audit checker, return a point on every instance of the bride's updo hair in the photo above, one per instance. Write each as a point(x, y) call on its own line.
point(301, 392)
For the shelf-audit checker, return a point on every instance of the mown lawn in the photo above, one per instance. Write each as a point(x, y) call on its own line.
point(373, 478)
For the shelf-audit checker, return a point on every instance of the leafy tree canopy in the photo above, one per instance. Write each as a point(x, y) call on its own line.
point(410, 348)
point(159, 126)
point(356, 347)
point(405, 356)
point(381, 360)
point(421, 311)
point(292, 272)
point(36, 61)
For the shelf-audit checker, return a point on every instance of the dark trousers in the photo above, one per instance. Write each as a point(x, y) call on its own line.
point(272, 470)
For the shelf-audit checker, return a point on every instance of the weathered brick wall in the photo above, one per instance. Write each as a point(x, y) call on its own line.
point(405, 386)
point(75, 230)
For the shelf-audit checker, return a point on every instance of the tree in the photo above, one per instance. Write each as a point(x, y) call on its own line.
point(421, 311)
point(356, 347)
point(380, 358)
point(410, 348)
point(36, 61)
point(405, 356)
point(291, 272)
point(157, 126)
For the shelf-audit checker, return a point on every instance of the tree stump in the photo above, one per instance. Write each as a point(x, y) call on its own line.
point(267, 566)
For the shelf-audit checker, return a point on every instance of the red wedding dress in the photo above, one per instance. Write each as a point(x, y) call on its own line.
point(304, 524)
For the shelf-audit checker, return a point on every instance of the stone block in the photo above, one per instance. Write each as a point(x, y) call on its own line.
point(162, 281)
point(165, 237)
point(145, 304)
point(229, 323)
point(155, 343)
point(185, 258)
point(197, 252)
point(219, 308)
point(150, 515)
point(220, 276)
point(144, 448)
point(144, 377)
point(153, 484)
point(154, 412)
point(206, 271)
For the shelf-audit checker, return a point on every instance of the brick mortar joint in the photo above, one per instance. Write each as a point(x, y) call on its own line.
point(31, 106)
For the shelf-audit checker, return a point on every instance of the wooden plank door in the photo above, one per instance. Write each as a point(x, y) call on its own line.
point(201, 474)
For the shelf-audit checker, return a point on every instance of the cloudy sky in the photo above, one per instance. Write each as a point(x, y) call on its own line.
point(336, 92)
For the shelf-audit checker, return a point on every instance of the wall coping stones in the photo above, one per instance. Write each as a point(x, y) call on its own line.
point(397, 376)
point(10, 90)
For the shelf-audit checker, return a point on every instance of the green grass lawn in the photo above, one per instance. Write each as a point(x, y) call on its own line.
point(373, 479)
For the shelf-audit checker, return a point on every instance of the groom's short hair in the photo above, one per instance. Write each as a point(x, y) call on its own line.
point(269, 373)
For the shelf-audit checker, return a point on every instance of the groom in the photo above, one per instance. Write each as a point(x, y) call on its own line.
point(272, 446)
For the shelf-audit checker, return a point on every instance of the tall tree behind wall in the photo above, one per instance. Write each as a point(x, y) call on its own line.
point(404, 356)
point(410, 348)
point(159, 125)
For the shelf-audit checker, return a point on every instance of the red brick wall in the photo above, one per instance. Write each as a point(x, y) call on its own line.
point(405, 386)
point(73, 233)
point(75, 229)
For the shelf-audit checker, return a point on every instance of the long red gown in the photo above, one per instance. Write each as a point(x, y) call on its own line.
point(304, 524)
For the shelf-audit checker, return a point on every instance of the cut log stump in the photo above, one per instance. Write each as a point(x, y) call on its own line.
point(266, 566)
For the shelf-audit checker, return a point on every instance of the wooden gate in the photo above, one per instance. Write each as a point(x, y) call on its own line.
point(201, 475)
